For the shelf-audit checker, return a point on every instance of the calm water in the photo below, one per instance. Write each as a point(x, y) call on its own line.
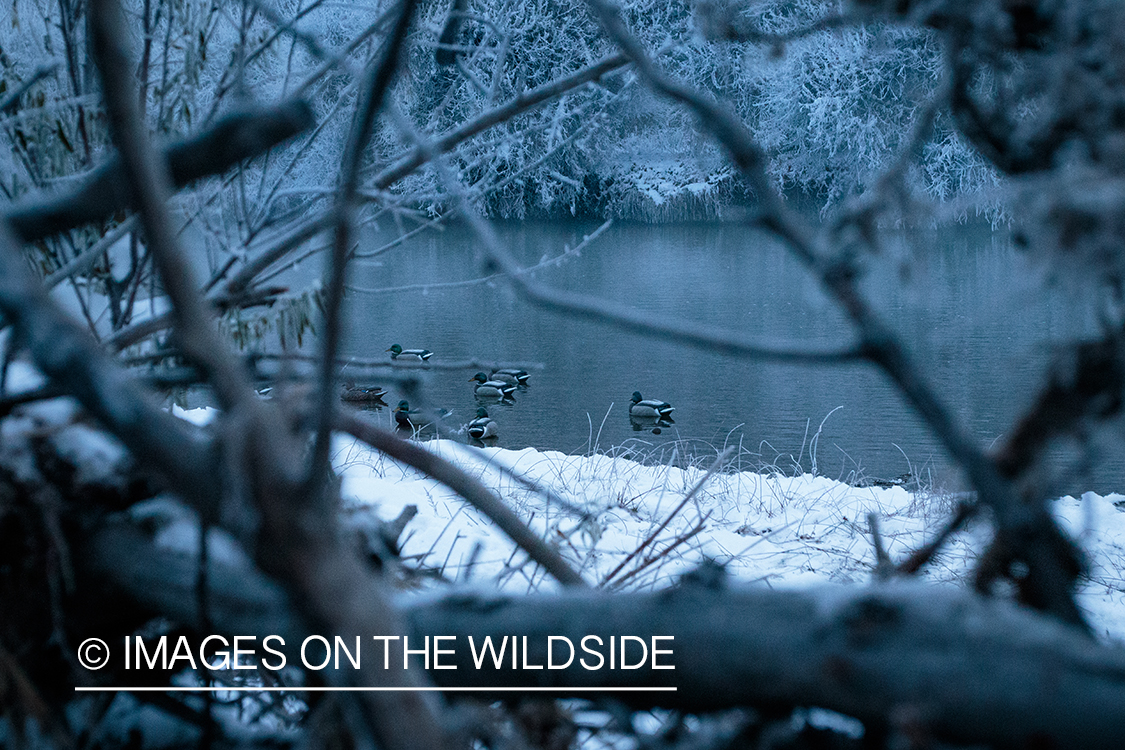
point(970, 308)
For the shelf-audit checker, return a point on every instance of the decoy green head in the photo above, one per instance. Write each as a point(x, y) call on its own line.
point(636, 397)
point(403, 406)
point(395, 348)
point(480, 377)
point(481, 412)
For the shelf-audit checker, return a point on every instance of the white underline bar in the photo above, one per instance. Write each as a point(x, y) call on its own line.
point(328, 689)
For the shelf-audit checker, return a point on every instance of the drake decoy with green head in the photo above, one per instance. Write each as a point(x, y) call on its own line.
point(650, 408)
point(491, 388)
point(352, 393)
point(483, 427)
point(405, 417)
point(409, 354)
point(510, 376)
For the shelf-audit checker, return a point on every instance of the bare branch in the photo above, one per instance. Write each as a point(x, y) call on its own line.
point(11, 100)
point(552, 262)
point(715, 466)
point(445, 54)
point(89, 257)
point(238, 136)
point(1088, 384)
point(685, 332)
point(130, 335)
point(310, 42)
point(71, 358)
point(467, 487)
point(382, 73)
point(277, 248)
point(150, 185)
point(966, 509)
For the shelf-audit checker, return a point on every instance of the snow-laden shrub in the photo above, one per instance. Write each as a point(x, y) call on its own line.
point(831, 108)
point(836, 107)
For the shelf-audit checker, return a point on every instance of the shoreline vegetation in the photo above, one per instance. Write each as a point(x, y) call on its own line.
point(766, 528)
point(638, 526)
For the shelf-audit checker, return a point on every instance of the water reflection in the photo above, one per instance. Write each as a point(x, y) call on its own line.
point(655, 425)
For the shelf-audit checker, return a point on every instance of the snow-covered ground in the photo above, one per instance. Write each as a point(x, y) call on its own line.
point(777, 530)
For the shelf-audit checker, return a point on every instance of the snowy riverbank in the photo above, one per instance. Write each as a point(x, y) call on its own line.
point(777, 530)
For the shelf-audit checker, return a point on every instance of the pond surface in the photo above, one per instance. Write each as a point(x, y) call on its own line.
point(970, 308)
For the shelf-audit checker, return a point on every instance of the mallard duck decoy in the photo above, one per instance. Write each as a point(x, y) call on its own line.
point(491, 388)
point(352, 393)
point(643, 407)
point(419, 354)
point(510, 376)
point(483, 427)
point(405, 417)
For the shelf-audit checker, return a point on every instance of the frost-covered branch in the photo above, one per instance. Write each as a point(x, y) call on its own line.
point(522, 103)
point(12, 100)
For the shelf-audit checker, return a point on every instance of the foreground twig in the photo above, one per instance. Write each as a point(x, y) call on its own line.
point(375, 90)
point(69, 356)
point(238, 136)
point(149, 183)
point(911, 565)
point(475, 493)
